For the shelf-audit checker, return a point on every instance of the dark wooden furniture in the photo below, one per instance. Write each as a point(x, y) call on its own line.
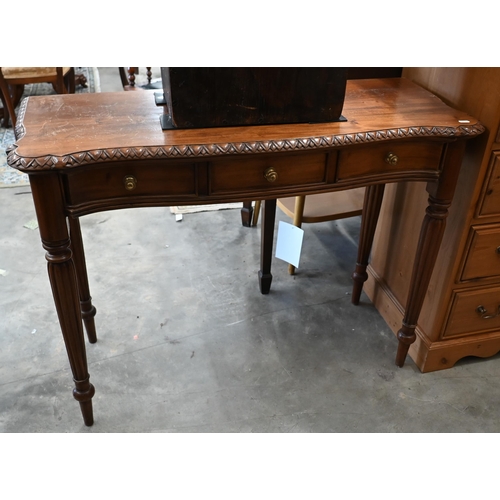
point(460, 314)
point(102, 160)
point(226, 97)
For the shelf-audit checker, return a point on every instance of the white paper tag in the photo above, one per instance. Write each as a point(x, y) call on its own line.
point(32, 224)
point(289, 243)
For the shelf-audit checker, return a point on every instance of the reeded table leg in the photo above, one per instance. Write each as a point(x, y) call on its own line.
point(88, 310)
point(266, 254)
point(428, 247)
point(64, 288)
point(369, 218)
point(431, 235)
point(55, 239)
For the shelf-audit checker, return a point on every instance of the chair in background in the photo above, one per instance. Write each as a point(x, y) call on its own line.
point(13, 80)
point(369, 210)
point(318, 208)
point(127, 76)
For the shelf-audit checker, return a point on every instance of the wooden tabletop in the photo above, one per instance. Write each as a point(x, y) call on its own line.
point(59, 131)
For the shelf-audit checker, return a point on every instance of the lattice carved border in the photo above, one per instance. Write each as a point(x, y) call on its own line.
point(222, 149)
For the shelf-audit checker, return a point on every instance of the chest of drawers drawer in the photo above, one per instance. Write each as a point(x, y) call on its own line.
point(474, 311)
point(483, 256)
point(388, 158)
point(267, 172)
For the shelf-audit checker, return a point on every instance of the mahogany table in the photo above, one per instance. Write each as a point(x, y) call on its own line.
point(87, 153)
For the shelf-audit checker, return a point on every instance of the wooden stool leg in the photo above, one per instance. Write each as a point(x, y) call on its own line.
point(298, 213)
point(88, 310)
point(369, 218)
point(246, 214)
point(266, 254)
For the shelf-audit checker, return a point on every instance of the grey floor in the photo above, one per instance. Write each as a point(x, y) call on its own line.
point(186, 343)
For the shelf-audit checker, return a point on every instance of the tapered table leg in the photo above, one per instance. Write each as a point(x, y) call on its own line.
point(62, 277)
point(431, 234)
point(55, 239)
point(88, 310)
point(369, 218)
point(266, 254)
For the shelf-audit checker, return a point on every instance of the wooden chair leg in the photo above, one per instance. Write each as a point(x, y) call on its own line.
point(59, 85)
point(131, 76)
point(70, 80)
point(5, 113)
point(123, 77)
point(298, 213)
point(256, 212)
point(7, 99)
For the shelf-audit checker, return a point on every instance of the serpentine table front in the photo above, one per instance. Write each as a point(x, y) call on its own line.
point(92, 152)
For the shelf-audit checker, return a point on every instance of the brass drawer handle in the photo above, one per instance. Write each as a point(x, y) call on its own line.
point(270, 174)
point(484, 313)
point(392, 159)
point(130, 182)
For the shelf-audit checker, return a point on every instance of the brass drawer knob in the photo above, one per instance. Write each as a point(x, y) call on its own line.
point(392, 159)
point(130, 182)
point(482, 311)
point(270, 174)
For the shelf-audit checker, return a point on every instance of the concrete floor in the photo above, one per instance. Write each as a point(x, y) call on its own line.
point(186, 343)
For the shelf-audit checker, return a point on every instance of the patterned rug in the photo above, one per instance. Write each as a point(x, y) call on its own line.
point(10, 177)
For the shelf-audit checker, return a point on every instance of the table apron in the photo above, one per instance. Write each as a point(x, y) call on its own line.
point(164, 182)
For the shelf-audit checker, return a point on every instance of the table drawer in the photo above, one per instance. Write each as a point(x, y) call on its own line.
point(131, 180)
point(267, 173)
point(474, 311)
point(483, 257)
point(388, 158)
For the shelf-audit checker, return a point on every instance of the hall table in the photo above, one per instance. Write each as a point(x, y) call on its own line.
point(87, 153)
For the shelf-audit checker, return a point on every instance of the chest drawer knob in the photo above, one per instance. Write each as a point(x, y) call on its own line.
point(482, 311)
point(498, 250)
point(130, 182)
point(270, 174)
point(392, 159)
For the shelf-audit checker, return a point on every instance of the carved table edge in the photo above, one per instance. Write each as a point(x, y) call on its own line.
point(223, 149)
